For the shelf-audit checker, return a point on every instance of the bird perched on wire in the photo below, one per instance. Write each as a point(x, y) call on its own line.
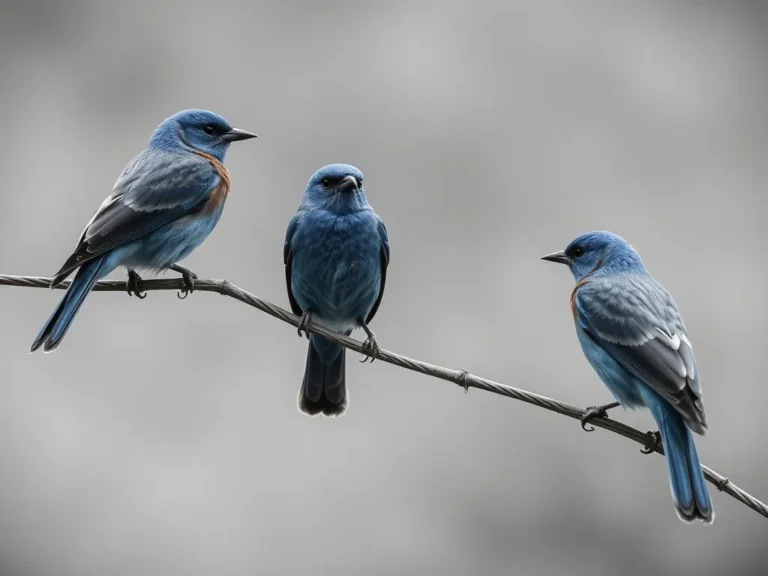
point(633, 336)
point(336, 255)
point(164, 205)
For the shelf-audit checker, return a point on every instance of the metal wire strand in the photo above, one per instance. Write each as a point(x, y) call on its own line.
point(461, 378)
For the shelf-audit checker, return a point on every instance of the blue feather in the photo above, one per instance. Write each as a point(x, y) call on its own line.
point(164, 205)
point(336, 253)
point(686, 478)
point(58, 323)
point(632, 334)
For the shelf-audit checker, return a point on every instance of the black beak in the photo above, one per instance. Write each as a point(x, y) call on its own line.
point(236, 135)
point(349, 184)
point(558, 257)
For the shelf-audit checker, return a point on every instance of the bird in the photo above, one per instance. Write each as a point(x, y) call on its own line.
point(632, 334)
point(164, 204)
point(336, 255)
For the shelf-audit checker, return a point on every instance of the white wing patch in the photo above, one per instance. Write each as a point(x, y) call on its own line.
point(692, 368)
point(674, 341)
point(671, 340)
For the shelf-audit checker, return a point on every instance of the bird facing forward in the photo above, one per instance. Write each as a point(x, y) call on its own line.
point(633, 336)
point(336, 255)
point(164, 205)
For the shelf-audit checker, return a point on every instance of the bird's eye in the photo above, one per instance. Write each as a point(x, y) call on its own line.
point(578, 251)
point(326, 182)
point(209, 129)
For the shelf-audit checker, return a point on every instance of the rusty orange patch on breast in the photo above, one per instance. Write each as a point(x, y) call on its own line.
point(217, 197)
point(579, 284)
point(220, 168)
point(219, 194)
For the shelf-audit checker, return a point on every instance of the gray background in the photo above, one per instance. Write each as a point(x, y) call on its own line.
point(163, 436)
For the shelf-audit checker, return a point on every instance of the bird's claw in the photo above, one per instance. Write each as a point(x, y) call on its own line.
point(304, 321)
point(133, 285)
point(595, 412)
point(653, 443)
point(188, 278)
point(370, 346)
point(371, 349)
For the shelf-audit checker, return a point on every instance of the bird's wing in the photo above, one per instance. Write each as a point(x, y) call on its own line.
point(288, 261)
point(154, 189)
point(635, 320)
point(384, 262)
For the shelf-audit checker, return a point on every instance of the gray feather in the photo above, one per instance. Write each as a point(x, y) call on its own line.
point(638, 324)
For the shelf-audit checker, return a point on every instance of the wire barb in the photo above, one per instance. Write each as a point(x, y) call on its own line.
point(463, 380)
point(460, 377)
point(721, 484)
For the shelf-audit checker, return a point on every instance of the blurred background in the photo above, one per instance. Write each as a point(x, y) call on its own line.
point(163, 436)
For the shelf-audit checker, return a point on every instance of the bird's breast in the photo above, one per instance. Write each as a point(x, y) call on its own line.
point(336, 266)
point(574, 292)
point(216, 199)
point(221, 191)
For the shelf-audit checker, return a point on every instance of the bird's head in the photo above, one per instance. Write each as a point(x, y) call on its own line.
point(337, 188)
point(198, 130)
point(593, 251)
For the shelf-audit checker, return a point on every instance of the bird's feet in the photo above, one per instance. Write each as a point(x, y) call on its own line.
point(371, 348)
point(596, 412)
point(304, 321)
point(133, 285)
point(653, 443)
point(188, 277)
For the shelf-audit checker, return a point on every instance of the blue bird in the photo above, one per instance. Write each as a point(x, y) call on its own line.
point(165, 203)
point(633, 336)
point(336, 255)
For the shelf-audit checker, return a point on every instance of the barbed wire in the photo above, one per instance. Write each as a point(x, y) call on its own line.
point(462, 378)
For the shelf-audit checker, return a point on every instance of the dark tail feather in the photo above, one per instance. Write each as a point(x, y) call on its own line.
point(324, 387)
point(58, 323)
point(689, 488)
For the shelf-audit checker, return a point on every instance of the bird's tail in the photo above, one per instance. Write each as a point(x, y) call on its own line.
point(58, 323)
point(686, 479)
point(324, 388)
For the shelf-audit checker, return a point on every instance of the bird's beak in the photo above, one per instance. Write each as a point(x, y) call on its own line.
point(558, 257)
point(235, 135)
point(348, 184)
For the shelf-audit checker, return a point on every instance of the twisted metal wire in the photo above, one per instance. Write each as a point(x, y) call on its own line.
point(460, 377)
